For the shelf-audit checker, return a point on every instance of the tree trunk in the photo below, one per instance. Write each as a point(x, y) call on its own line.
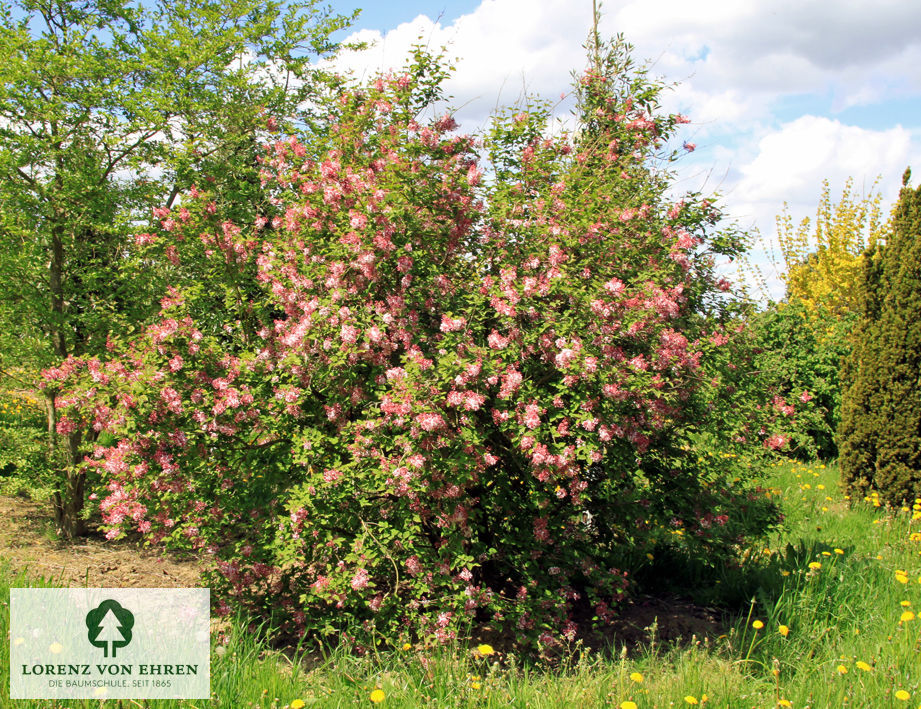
point(69, 496)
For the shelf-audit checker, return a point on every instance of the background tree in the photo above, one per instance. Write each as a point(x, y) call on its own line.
point(822, 257)
point(880, 432)
point(107, 110)
point(799, 343)
point(798, 367)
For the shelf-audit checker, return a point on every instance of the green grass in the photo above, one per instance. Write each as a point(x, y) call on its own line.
point(847, 611)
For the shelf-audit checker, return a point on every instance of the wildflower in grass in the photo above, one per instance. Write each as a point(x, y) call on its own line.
point(628, 705)
point(906, 616)
point(407, 646)
point(784, 703)
point(902, 695)
point(783, 630)
point(757, 625)
point(485, 650)
point(55, 648)
point(842, 670)
point(839, 551)
point(901, 576)
point(475, 685)
point(826, 553)
point(690, 700)
point(815, 565)
point(377, 696)
point(297, 704)
point(636, 677)
point(861, 665)
point(905, 604)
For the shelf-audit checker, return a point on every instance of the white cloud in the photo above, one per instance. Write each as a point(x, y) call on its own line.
point(743, 69)
point(790, 164)
point(792, 161)
point(734, 59)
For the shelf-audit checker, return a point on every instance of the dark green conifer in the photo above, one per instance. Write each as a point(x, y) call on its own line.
point(880, 431)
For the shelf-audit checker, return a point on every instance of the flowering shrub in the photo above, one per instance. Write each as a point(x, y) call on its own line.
point(431, 386)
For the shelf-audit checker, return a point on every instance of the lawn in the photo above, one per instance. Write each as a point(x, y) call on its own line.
point(822, 615)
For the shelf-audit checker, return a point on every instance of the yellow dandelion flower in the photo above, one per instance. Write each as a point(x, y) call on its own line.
point(784, 703)
point(902, 695)
point(907, 616)
point(690, 700)
point(377, 696)
point(826, 553)
point(485, 650)
point(905, 604)
point(842, 670)
point(815, 565)
point(783, 630)
point(475, 685)
point(839, 551)
point(297, 704)
point(636, 677)
point(861, 665)
point(901, 577)
point(628, 705)
point(757, 625)
point(407, 646)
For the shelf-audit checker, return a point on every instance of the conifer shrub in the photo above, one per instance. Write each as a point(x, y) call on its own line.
point(880, 431)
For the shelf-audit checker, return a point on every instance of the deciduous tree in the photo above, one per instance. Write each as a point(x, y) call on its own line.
point(108, 108)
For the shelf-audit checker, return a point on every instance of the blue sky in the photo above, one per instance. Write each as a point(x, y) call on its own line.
point(781, 93)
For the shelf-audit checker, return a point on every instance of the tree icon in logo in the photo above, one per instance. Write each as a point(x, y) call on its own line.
point(109, 626)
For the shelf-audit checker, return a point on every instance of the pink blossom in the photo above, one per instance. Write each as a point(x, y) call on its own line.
point(65, 426)
point(360, 579)
point(776, 441)
point(332, 475)
point(449, 324)
point(564, 357)
point(532, 416)
point(413, 565)
point(497, 341)
point(430, 421)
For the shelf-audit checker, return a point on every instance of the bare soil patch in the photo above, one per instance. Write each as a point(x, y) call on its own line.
point(28, 543)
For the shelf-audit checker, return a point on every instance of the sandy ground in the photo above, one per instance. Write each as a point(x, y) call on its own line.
point(28, 543)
